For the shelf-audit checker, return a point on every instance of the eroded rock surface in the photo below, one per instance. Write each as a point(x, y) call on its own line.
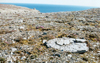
point(68, 44)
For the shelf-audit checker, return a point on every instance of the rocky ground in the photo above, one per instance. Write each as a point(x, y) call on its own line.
point(23, 32)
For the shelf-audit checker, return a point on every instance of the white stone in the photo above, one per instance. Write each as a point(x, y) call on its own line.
point(24, 38)
point(67, 44)
point(94, 45)
point(93, 57)
point(11, 53)
point(69, 55)
point(13, 41)
point(9, 59)
point(44, 41)
point(21, 21)
point(21, 27)
point(13, 49)
point(23, 57)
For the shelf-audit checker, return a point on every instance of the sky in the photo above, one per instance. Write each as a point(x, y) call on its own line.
point(92, 3)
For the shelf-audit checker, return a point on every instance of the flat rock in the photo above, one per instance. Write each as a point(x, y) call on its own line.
point(68, 44)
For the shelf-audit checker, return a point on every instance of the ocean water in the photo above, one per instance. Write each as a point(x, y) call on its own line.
point(47, 8)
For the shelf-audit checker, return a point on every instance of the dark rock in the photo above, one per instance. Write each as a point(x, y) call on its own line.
point(81, 52)
point(91, 48)
point(10, 27)
point(57, 55)
point(17, 40)
point(77, 41)
point(62, 50)
point(20, 31)
point(44, 33)
point(28, 53)
point(33, 56)
point(53, 50)
point(46, 16)
point(85, 59)
point(24, 51)
point(77, 33)
point(40, 35)
point(69, 23)
point(45, 44)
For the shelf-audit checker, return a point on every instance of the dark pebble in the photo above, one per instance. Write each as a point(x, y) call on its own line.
point(85, 59)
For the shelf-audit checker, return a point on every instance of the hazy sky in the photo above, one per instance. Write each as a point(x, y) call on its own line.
point(94, 3)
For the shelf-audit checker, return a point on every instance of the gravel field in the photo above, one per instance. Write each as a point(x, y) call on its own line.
point(29, 36)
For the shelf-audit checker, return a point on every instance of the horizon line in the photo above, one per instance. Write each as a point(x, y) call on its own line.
point(47, 4)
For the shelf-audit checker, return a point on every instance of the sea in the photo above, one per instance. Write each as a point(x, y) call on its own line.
point(48, 8)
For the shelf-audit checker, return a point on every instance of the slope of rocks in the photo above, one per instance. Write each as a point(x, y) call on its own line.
point(23, 31)
point(15, 9)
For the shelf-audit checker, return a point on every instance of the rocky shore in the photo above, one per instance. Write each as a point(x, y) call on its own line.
point(29, 36)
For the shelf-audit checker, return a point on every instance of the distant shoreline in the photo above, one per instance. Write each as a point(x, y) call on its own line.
point(49, 8)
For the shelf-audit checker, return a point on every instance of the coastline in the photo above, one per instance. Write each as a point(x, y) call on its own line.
point(27, 35)
point(48, 8)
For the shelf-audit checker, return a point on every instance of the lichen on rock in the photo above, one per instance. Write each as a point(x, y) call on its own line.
point(68, 44)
